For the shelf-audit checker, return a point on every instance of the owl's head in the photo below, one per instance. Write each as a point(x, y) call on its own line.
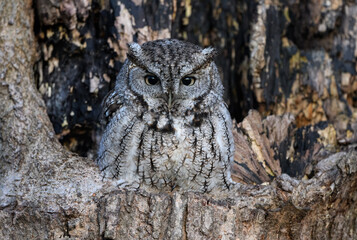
point(171, 74)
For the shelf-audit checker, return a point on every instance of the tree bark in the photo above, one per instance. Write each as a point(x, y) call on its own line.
point(297, 171)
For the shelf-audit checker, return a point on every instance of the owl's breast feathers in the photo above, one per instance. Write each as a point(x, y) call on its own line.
point(166, 121)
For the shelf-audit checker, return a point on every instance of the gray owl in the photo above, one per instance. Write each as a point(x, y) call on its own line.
point(168, 126)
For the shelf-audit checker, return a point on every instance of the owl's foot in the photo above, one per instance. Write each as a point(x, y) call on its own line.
point(121, 183)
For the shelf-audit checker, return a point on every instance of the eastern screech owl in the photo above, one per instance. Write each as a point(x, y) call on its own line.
point(168, 126)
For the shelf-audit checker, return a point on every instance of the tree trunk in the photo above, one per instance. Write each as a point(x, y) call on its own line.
point(296, 154)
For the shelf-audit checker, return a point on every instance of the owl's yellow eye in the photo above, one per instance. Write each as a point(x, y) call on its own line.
point(151, 80)
point(188, 81)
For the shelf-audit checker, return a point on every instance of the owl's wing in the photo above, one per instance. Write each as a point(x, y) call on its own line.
point(111, 104)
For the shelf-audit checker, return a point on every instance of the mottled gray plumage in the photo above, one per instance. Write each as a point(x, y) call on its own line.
point(168, 126)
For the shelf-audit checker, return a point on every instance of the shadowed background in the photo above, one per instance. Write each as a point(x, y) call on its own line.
point(296, 58)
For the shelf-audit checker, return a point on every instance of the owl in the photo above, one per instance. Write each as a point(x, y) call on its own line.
point(168, 127)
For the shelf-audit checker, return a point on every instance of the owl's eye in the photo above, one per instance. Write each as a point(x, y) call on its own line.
point(188, 81)
point(151, 80)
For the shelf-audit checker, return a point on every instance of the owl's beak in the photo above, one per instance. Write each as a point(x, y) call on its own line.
point(169, 103)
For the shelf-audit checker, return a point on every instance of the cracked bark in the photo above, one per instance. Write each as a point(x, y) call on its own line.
point(48, 192)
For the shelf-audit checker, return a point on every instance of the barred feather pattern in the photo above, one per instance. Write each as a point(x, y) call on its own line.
point(155, 141)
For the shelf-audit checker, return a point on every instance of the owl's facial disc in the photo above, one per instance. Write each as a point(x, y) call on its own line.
point(172, 97)
point(171, 90)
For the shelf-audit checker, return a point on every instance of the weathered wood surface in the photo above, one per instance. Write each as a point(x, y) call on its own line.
point(300, 76)
point(296, 57)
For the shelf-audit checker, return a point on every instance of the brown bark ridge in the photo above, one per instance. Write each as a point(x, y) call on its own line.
point(297, 168)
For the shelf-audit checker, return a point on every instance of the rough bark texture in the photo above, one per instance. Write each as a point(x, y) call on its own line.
point(296, 157)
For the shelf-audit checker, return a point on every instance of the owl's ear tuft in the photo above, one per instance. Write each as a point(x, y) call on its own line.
point(204, 57)
point(209, 53)
point(134, 52)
